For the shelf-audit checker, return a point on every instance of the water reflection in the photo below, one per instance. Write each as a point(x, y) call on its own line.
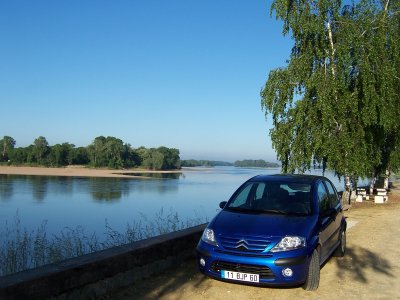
point(156, 175)
point(89, 201)
point(100, 189)
point(61, 185)
point(71, 201)
point(156, 186)
point(39, 187)
point(113, 189)
point(6, 188)
point(108, 189)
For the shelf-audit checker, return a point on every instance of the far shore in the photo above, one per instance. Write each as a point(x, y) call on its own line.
point(77, 171)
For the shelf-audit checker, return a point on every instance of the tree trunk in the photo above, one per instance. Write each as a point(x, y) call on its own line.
point(347, 190)
point(4, 148)
point(372, 185)
point(332, 58)
point(386, 181)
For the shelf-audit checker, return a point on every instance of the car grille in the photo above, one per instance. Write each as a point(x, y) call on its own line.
point(241, 253)
point(263, 271)
point(253, 244)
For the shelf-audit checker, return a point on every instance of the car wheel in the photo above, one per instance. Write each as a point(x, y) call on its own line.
point(341, 249)
point(312, 281)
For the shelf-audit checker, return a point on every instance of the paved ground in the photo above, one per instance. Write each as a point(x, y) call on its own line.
point(369, 270)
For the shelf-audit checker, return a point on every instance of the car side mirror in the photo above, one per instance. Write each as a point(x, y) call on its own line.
point(222, 204)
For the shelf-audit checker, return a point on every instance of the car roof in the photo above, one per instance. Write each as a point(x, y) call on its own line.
point(310, 179)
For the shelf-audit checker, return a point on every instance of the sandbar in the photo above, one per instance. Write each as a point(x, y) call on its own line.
point(77, 171)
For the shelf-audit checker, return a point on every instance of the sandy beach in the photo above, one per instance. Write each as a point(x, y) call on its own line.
point(77, 171)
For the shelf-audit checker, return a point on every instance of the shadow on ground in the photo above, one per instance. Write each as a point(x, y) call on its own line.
point(359, 261)
point(163, 284)
point(358, 264)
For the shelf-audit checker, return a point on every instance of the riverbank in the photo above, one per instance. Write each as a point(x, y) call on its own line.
point(77, 171)
point(369, 270)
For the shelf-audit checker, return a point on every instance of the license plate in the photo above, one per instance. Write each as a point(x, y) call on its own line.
point(240, 276)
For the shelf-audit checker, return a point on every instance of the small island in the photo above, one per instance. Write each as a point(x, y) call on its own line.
point(104, 152)
point(258, 163)
point(247, 163)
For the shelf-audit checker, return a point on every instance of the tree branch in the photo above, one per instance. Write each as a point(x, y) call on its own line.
point(387, 4)
point(332, 49)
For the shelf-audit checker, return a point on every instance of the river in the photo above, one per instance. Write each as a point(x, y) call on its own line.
point(92, 202)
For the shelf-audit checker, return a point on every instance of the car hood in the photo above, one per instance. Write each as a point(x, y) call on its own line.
point(268, 225)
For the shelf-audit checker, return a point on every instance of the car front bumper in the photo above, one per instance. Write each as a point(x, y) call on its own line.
point(270, 267)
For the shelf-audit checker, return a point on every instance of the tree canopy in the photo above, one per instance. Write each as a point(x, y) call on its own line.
point(204, 163)
point(337, 102)
point(257, 163)
point(7, 144)
point(109, 152)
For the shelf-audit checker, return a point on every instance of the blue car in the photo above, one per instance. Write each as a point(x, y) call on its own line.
point(275, 230)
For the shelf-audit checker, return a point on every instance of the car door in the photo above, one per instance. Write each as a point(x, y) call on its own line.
point(326, 221)
point(336, 210)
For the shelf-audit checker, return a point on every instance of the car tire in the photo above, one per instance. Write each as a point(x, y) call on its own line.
point(341, 249)
point(312, 281)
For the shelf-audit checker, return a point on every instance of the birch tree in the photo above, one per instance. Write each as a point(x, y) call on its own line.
point(336, 103)
point(7, 144)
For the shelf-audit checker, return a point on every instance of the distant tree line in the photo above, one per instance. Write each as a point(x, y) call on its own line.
point(203, 163)
point(248, 163)
point(107, 152)
point(258, 163)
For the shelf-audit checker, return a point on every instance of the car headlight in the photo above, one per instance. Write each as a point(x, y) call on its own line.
point(209, 237)
point(289, 243)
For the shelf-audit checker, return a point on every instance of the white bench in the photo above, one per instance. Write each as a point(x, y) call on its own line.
point(381, 196)
point(362, 195)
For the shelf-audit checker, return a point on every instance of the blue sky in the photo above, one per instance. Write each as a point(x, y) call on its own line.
point(181, 73)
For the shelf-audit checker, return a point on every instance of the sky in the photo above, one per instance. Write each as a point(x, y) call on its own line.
point(183, 74)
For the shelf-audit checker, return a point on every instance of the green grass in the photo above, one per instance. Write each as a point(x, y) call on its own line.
point(21, 249)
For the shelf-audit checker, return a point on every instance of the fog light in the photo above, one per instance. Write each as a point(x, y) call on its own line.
point(202, 262)
point(287, 272)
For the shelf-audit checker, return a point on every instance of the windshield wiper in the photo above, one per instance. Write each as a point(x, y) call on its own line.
point(240, 209)
point(273, 211)
point(297, 213)
point(257, 211)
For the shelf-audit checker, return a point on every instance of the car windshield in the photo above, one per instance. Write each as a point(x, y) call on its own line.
point(272, 197)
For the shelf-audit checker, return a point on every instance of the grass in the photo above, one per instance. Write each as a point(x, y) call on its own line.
point(21, 249)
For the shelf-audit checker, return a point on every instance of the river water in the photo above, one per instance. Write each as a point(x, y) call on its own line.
point(91, 202)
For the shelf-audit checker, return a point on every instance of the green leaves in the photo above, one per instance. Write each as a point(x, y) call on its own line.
point(7, 143)
point(161, 158)
point(108, 152)
point(337, 100)
point(40, 148)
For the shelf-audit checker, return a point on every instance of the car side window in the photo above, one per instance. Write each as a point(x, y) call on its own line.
point(242, 197)
point(334, 200)
point(323, 199)
point(260, 191)
point(248, 194)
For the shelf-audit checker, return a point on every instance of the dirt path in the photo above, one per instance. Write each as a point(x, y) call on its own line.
point(369, 270)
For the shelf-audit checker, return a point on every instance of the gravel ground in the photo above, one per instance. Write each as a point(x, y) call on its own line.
point(369, 270)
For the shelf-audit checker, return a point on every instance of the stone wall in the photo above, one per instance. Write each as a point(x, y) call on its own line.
point(94, 275)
